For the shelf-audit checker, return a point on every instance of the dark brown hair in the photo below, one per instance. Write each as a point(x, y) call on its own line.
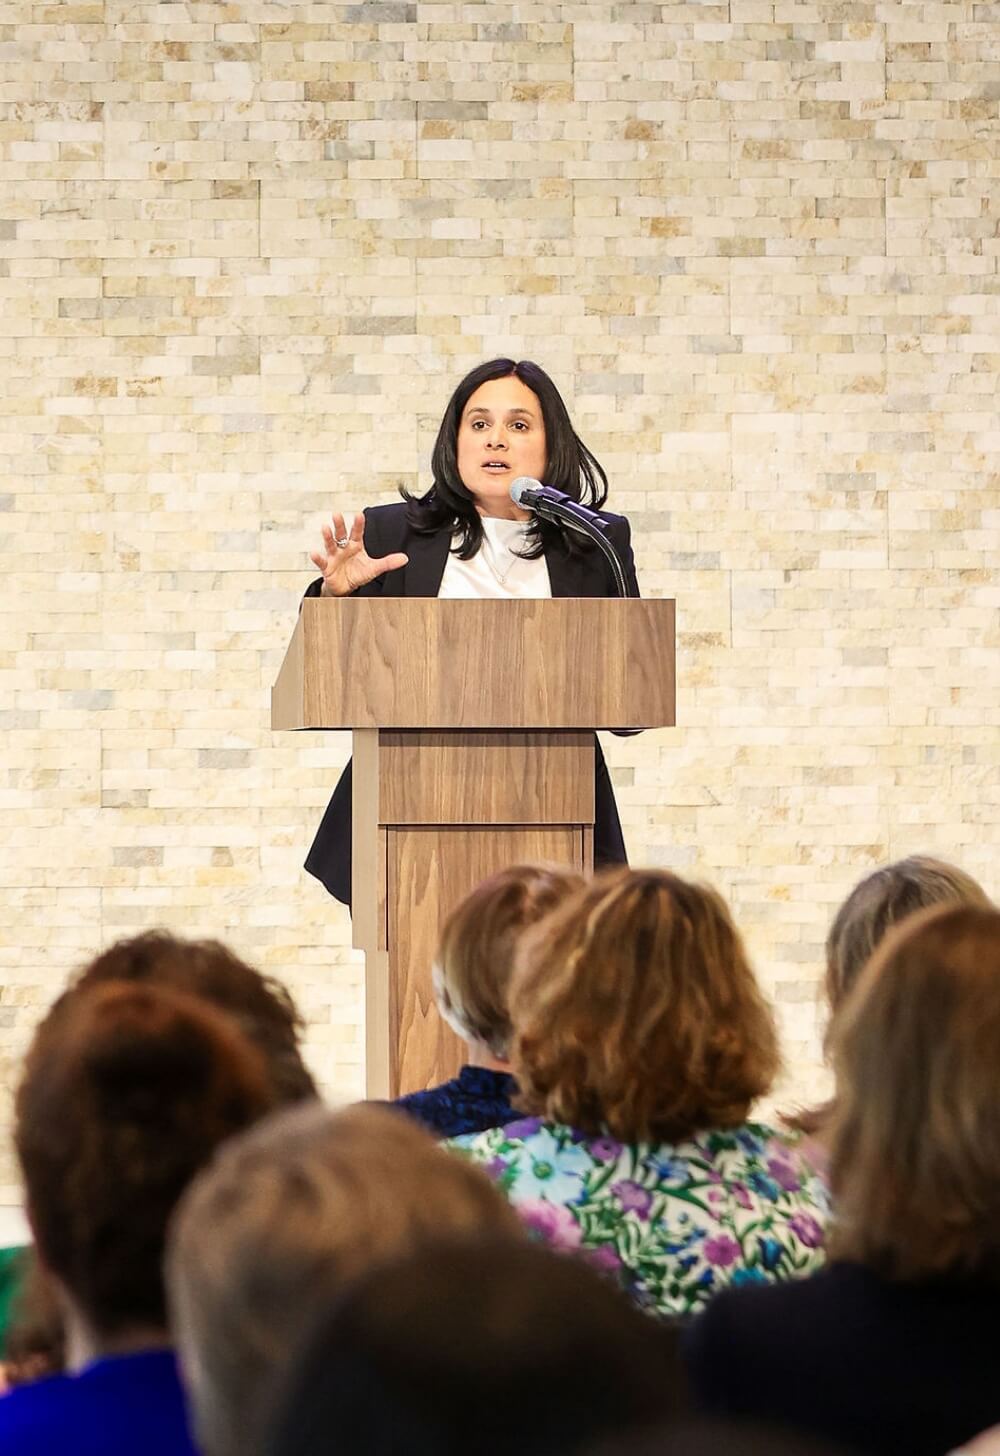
point(635, 1008)
point(126, 1092)
point(915, 1136)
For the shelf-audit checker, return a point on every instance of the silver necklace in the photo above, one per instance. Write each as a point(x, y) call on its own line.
point(489, 556)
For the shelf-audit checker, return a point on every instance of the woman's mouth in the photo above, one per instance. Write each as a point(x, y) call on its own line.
point(495, 465)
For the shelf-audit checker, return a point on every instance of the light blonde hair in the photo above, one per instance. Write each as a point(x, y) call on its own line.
point(280, 1222)
point(635, 1009)
point(915, 1136)
point(477, 945)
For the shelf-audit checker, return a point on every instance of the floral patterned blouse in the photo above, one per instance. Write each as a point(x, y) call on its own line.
point(672, 1224)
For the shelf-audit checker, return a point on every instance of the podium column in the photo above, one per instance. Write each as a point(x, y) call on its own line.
point(436, 812)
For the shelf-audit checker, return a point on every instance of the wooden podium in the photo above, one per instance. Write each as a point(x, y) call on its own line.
point(473, 750)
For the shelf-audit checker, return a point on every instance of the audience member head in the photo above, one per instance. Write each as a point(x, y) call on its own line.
point(915, 1138)
point(493, 1348)
point(278, 1224)
point(261, 1006)
point(877, 903)
point(125, 1093)
point(635, 1008)
point(477, 946)
point(880, 901)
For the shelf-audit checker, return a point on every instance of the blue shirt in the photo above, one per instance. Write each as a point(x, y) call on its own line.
point(115, 1407)
point(477, 1099)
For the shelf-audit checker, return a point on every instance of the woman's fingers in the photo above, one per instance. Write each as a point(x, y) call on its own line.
point(347, 566)
point(389, 563)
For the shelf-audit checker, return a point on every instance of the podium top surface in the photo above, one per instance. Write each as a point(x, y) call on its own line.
point(571, 662)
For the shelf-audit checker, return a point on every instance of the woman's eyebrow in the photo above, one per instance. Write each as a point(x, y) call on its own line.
point(479, 410)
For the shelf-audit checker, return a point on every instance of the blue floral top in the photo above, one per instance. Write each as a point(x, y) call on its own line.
point(671, 1223)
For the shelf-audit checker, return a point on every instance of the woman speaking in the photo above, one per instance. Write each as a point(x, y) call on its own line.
point(467, 538)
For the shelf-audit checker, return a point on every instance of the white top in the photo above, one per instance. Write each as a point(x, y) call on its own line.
point(496, 570)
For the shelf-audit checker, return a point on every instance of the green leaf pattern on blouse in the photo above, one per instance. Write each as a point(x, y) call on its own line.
point(672, 1224)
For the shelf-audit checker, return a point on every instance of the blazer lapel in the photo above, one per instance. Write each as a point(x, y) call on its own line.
point(573, 576)
point(425, 568)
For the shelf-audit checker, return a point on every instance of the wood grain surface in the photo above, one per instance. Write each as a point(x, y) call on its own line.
point(446, 777)
point(373, 662)
point(429, 871)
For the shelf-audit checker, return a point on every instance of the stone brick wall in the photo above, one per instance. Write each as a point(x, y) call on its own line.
point(245, 253)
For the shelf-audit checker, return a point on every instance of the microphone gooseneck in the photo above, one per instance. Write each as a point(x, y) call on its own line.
point(555, 505)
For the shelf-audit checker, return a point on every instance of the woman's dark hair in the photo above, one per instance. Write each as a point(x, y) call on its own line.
point(416, 1351)
point(127, 1091)
point(570, 466)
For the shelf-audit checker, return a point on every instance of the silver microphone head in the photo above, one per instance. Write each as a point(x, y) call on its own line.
point(520, 485)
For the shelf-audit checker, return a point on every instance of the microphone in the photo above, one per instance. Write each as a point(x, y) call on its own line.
point(545, 500)
point(555, 505)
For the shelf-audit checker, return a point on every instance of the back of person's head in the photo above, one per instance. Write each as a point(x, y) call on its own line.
point(280, 1222)
point(635, 1009)
point(915, 1136)
point(477, 946)
point(126, 1092)
point(880, 901)
point(261, 1006)
point(491, 1347)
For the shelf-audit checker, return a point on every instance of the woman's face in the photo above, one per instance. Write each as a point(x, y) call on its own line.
point(501, 435)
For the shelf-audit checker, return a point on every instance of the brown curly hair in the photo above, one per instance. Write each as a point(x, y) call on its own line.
point(635, 1009)
point(126, 1092)
point(261, 1006)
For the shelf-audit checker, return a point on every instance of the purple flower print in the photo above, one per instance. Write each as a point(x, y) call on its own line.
point(783, 1174)
point(632, 1197)
point(807, 1230)
point(525, 1127)
point(552, 1223)
point(742, 1196)
point(497, 1167)
point(721, 1251)
point(605, 1149)
point(604, 1258)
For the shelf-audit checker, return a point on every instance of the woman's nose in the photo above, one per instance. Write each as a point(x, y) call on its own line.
point(496, 440)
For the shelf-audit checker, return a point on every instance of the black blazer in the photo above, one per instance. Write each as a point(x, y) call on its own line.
point(576, 574)
point(886, 1368)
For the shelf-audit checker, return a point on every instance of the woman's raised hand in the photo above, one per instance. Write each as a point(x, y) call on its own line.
point(346, 564)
